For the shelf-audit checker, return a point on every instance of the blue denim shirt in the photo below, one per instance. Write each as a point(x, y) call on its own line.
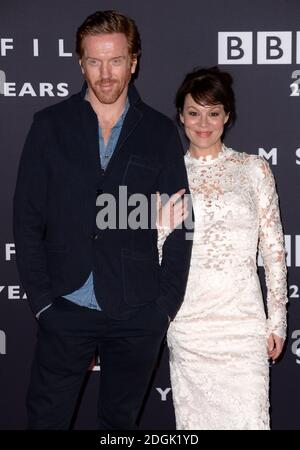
point(85, 295)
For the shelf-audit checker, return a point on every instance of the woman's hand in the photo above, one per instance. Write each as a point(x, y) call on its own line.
point(173, 213)
point(275, 346)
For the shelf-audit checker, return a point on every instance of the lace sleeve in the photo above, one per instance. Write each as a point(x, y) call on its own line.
point(162, 234)
point(271, 246)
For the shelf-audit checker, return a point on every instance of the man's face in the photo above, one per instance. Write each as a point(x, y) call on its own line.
point(107, 65)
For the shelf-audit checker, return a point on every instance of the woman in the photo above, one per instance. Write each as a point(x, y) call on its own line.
point(220, 340)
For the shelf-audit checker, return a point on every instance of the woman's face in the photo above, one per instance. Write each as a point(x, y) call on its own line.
point(203, 125)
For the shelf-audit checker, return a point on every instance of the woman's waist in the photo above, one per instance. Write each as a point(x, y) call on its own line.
point(206, 257)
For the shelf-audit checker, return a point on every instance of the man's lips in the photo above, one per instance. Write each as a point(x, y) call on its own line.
point(106, 85)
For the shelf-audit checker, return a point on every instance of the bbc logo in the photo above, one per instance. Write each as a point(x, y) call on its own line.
point(272, 47)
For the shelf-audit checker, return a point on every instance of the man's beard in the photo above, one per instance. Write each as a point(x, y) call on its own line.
point(110, 96)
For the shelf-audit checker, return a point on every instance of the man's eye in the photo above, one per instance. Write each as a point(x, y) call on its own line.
point(116, 62)
point(93, 62)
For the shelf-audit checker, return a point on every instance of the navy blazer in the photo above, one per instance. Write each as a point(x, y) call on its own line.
point(57, 240)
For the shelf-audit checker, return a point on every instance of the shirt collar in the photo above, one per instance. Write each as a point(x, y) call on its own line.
point(120, 121)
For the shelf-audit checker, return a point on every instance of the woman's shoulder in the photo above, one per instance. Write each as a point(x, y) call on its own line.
point(248, 159)
point(256, 166)
point(243, 156)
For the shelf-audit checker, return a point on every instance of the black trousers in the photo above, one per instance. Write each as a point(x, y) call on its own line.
point(68, 336)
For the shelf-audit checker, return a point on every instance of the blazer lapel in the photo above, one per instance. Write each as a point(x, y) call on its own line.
point(90, 157)
point(131, 120)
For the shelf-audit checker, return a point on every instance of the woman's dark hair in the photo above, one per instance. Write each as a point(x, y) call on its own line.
point(208, 86)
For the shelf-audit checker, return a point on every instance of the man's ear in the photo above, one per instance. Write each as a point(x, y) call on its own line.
point(134, 62)
point(81, 66)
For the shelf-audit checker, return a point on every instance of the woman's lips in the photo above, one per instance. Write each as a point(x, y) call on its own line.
point(203, 134)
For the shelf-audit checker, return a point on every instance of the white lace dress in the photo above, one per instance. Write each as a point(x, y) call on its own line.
point(218, 340)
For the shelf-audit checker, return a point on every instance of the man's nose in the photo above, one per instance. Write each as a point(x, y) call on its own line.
point(105, 71)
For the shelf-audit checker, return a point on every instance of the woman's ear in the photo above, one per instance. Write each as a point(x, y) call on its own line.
point(181, 118)
point(226, 118)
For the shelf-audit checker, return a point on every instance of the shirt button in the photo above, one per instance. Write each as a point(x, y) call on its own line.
point(94, 236)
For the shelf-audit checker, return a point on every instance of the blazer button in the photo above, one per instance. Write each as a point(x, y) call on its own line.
point(94, 236)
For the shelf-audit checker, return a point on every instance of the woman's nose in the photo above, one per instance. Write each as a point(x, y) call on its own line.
point(203, 120)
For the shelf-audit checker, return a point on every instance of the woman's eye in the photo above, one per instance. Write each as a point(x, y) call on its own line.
point(215, 114)
point(192, 113)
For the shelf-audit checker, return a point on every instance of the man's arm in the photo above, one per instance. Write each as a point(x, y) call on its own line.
point(177, 247)
point(29, 218)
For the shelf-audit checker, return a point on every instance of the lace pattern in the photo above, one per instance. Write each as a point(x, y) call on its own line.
point(218, 340)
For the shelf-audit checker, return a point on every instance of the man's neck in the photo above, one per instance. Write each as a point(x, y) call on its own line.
point(108, 114)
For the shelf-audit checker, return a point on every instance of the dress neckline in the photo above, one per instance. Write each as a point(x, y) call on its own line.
point(204, 160)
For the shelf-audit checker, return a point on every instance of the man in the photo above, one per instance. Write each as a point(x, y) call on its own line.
point(88, 287)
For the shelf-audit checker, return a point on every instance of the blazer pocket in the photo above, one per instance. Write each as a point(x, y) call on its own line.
point(56, 255)
point(140, 278)
point(140, 174)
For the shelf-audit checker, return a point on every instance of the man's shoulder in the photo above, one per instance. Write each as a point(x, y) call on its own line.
point(151, 115)
point(156, 116)
point(64, 107)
